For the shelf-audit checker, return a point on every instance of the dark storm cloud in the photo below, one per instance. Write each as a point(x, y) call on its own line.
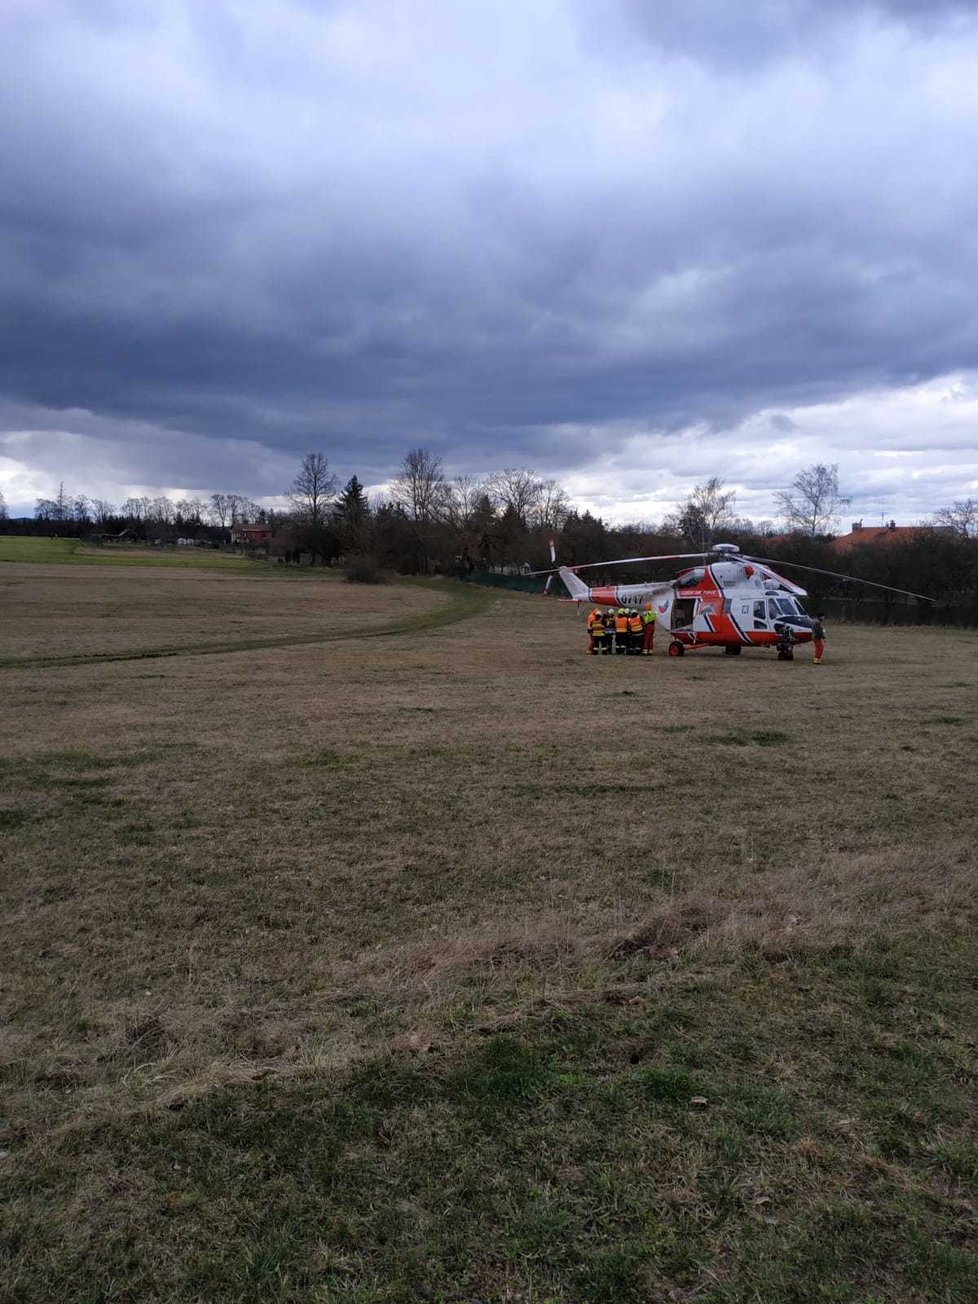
point(360, 227)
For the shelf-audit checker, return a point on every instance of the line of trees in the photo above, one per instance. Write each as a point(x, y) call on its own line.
point(430, 521)
point(159, 518)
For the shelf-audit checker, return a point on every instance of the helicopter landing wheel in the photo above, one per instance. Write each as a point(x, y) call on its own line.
point(732, 651)
point(676, 649)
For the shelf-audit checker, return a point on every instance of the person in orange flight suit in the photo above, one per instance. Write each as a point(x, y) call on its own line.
point(818, 638)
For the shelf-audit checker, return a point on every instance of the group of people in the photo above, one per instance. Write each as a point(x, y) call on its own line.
point(620, 632)
point(786, 642)
point(628, 632)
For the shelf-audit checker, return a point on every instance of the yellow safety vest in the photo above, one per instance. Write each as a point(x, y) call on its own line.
point(648, 617)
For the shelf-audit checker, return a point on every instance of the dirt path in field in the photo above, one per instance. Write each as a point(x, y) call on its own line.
point(461, 603)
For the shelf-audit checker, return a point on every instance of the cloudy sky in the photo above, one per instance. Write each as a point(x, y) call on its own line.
point(629, 243)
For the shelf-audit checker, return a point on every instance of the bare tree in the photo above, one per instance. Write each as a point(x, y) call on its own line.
point(419, 488)
point(465, 492)
point(81, 510)
point(189, 511)
point(54, 509)
point(243, 510)
point(101, 511)
point(135, 509)
point(961, 517)
point(551, 507)
point(160, 511)
point(220, 509)
point(707, 510)
point(3, 507)
point(813, 502)
point(461, 499)
point(312, 492)
point(515, 489)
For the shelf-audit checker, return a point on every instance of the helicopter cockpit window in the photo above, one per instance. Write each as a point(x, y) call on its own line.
point(686, 579)
point(788, 606)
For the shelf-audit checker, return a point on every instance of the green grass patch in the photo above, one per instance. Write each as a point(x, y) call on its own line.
point(960, 1160)
point(76, 552)
point(598, 1180)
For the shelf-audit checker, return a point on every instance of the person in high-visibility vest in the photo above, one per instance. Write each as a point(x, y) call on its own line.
point(596, 632)
point(648, 630)
point(621, 630)
point(634, 632)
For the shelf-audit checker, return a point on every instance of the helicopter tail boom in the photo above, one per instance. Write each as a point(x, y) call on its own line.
point(574, 585)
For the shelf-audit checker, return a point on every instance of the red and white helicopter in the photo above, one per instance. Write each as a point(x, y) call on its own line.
point(731, 601)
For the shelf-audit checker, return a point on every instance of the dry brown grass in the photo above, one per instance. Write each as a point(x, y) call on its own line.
point(229, 844)
point(279, 862)
point(52, 610)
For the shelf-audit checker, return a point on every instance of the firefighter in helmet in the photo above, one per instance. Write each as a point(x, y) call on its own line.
point(634, 632)
point(596, 632)
point(621, 631)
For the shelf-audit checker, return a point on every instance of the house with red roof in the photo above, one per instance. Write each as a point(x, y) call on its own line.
point(891, 533)
point(258, 535)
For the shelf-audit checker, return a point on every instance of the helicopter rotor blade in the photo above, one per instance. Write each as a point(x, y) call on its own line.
point(622, 561)
point(838, 575)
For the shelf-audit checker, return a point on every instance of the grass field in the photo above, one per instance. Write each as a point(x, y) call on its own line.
point(73, 552)
point(54, 614)
point(451, 964)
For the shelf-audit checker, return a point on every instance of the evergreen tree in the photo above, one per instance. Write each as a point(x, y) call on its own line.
point(353, 517)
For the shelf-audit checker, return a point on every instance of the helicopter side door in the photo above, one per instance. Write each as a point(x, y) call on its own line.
point(682, 613)
point(707, 611)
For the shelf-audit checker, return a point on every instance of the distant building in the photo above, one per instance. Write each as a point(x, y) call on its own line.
point(259, 535)
point(860, 534)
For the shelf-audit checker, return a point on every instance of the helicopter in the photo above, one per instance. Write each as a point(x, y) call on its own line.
point(731, 600)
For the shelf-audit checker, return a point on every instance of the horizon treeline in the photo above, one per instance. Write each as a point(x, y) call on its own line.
point(431, 522)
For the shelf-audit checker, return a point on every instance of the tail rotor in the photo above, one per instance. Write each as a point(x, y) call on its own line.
point(553, 562)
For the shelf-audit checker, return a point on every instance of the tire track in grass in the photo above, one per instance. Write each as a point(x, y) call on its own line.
point(462, 603)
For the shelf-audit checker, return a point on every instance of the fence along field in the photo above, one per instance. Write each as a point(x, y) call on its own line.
point(455, 964)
